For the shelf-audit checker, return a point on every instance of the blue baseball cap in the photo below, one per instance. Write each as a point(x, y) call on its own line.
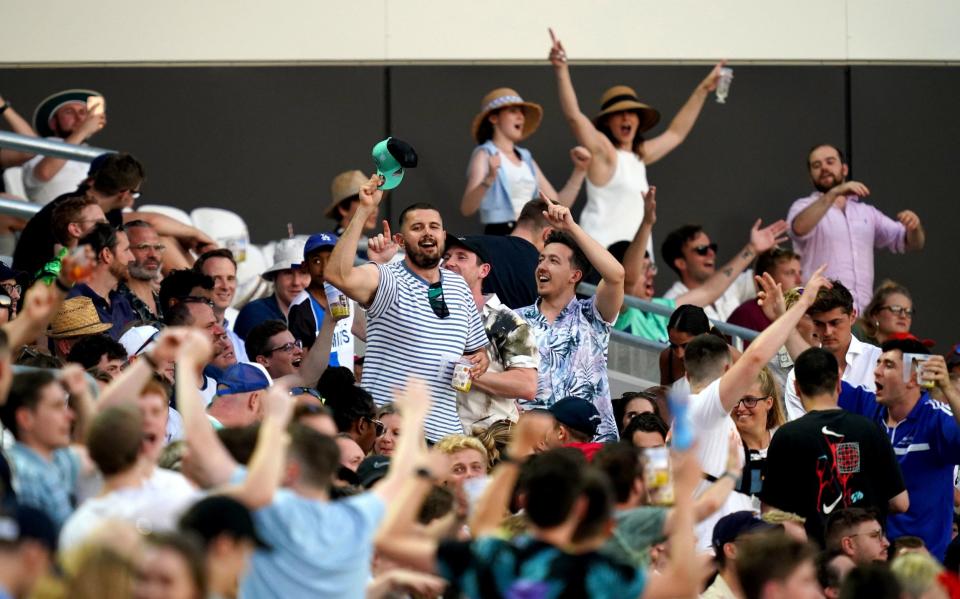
point(731, 526)
point(243, 378)
point(319, 241)
point(578, 414)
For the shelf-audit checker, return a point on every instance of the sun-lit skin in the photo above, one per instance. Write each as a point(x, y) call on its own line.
point(555, 271)
point(350, 453)
point(224, 275)
point(466, 464)
point(752, 422)
point(624, 126)
point(635, 407)
point(153, 410)
point(282, 361)
point(111, 367)
point(834, 328)
point(164, 574)
point(423, 237)
point(68, 118)
point(788, 273)
point(694, 266)
point(387, 442)
point(50, 421)
point(800, 584)
point(889, 323)
point(289, 283)
point(508, 122)
point(825, 168)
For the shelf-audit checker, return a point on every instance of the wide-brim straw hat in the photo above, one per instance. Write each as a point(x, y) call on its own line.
point(503, 97)
point(54, 102)
point(344, 185)
point(76, 316)
point(621, 97)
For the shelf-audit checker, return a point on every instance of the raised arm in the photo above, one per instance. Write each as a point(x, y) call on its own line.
point(357, 282)
point(761, 240)
point(771, 301)
point(317, 359)
point(935, 369)
point(581, 126)
point(269, 455)
point(808, 218)
point(633, 264)
point(681, 125)
point(210, 457)
point(609, 296)
point(20, 126)
point(126, 387)
point(39, 306)
point(580, 156)
point(47, 168)
point(736, 381)
point(495, 500)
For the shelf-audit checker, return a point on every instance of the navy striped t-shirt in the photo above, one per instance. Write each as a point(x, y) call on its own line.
point(406, 339)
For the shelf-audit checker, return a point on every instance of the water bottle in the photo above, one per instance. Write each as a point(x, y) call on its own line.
point(682, 433)
point(723, 85)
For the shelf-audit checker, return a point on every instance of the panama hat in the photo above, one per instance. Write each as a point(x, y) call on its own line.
point(54, 102)
point(345, 185)
point(619, 98)
point(501, 98)
point(77, 316)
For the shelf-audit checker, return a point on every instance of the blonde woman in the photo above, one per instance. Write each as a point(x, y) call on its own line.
point(757, 417)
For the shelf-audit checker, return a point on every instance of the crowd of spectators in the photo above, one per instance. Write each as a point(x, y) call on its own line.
point(412, 413)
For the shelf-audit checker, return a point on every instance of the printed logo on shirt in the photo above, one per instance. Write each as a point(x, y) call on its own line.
point(834, 471)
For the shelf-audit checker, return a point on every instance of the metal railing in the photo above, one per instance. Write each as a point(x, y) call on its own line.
point(648, 306)
point(50, 147)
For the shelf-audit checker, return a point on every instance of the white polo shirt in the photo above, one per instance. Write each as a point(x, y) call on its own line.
point(861, 361)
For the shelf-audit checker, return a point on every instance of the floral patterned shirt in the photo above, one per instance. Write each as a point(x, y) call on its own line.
point(573, 359)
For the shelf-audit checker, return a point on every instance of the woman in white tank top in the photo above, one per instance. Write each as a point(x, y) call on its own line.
point(501, 176)
point(617, 175)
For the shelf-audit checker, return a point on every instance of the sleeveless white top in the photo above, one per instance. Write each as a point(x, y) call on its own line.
point(614, 212)
point(520, 183)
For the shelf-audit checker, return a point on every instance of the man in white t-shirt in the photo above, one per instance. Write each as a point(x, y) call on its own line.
point(833, 316)
point(690, 253)
point(717, 385)
point(62, 116)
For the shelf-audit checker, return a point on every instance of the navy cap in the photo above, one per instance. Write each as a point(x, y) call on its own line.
point(218, 515)
point(731, 526)
point(7, 273)
point(576, 413)
point(24, 522)
point(471, 243)
point(372, 469)
point(243, 378)
point(319, 241)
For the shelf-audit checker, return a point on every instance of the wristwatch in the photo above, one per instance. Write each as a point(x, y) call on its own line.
point(4, 107)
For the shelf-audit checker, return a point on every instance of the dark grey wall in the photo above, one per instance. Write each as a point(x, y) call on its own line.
point(266, 141)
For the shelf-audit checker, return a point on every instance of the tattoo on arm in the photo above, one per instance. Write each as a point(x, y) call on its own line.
point(746, 254)
point(728, 271)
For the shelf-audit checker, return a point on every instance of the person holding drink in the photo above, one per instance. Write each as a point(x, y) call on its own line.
point(617, 173)
point(307, 309)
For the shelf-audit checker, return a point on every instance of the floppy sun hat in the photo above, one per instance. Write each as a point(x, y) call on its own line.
point(619, 98)
point(345, 185)
point(503, 97)
point(54, 102)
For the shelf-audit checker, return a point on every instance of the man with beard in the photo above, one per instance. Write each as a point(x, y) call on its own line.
point(111, 250)
point(421, 320)
point(143, 283)
point(62, 116)
point(833, 226)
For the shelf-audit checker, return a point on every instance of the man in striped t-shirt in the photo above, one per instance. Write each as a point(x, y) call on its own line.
point(421, 320)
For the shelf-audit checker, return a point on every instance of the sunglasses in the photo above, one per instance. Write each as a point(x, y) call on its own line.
point(751, 402)
point(286, 348)
point(703, 250)
point(196, 299)
point(900, 310)
point(379, 427)
point(437, 303)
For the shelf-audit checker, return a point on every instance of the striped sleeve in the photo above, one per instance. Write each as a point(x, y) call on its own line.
point(476, 335)
point(386, 293)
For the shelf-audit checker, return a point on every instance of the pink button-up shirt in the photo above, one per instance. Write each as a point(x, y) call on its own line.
point(844, 240)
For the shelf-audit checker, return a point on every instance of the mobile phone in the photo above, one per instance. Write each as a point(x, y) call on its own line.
point(96, 104)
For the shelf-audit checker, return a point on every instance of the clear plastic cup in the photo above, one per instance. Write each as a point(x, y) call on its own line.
point(338, 302)
point(723, 85)
point(657, 477)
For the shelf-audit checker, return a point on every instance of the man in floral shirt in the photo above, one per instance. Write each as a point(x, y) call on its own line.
point(512, 351)
point(573, 335)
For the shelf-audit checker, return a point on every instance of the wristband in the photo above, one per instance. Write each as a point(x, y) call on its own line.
point(483, 182)
point(4, 108)
point(731, 475)
point(61, 285)
point(146, 357)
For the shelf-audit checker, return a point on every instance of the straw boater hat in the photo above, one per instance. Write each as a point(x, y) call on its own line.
point(501, 98)
point(54, 102)
point(76, 316)
point(344, 185)
point(619, 98)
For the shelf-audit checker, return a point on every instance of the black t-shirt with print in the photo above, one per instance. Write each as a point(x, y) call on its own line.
point(828, 460)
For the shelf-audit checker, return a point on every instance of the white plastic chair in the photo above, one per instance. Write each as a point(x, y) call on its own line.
point(227, 228)
point(174, 213)
point(248, 276)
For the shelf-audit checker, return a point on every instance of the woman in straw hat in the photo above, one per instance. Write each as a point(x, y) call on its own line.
point(617, 176)
point(501, 176)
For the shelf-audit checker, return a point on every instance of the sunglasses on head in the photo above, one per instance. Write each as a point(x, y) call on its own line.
point(703, 250)
point(437, 303)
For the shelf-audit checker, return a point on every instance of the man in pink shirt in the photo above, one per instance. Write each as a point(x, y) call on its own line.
point(833, 227)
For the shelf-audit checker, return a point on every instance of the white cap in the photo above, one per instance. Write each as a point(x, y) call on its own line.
point(288, 254)
point(139, 339)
